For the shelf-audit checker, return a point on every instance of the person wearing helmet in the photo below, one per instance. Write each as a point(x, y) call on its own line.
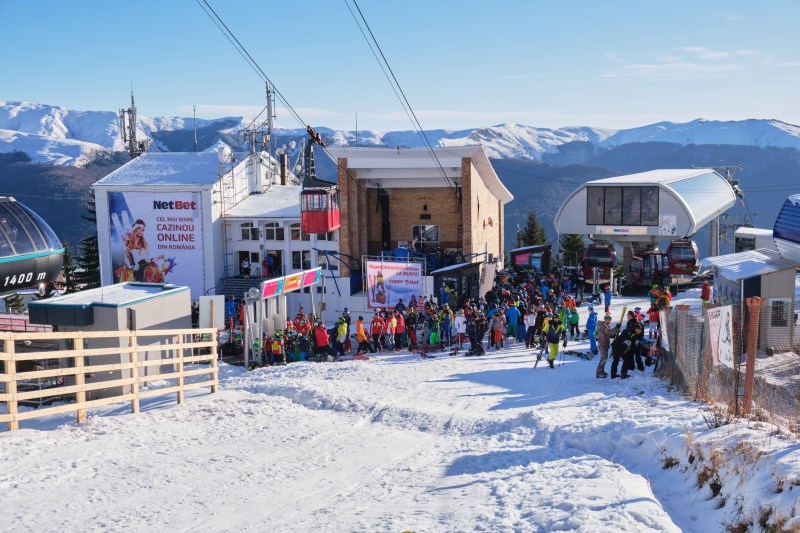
point(591, 327)
point(555, 335)
point(341, 337)
point(607, 298)
point(277, 350)
point(604, 336)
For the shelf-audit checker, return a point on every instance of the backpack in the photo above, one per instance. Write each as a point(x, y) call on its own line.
point(553, 335)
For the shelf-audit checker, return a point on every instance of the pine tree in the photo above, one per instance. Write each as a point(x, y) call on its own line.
point(68, 269)
point(88, 277)
point(14, 303)
point(533, 233)
point(571, 248)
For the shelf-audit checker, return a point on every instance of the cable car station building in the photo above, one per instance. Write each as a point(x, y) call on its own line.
point(398, 197)
point(640, 210)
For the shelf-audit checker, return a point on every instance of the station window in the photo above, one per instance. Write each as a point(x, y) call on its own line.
point(249, 231)
point(273, 231)
point(301, 260)
point(622, 206)
point(330, 236)
point(297, 234)
point(425, 237)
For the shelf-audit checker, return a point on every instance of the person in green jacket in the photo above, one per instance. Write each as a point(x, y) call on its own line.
point(574, 330)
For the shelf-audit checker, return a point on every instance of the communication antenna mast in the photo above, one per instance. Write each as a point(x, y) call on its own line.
point(127, 130)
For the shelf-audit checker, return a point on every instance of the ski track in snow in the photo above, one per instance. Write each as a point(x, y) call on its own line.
point(392, 444)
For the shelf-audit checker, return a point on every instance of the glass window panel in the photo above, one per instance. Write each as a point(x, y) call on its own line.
point(613, 205)
point(649, 206)
point(23, 216)
point(295, 231)
point(594, 206)
point(631, 206)
point(5, 247)
point(50, 236)
point(14, 231)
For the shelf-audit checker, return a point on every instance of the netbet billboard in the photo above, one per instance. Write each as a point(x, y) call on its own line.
point(156, 237)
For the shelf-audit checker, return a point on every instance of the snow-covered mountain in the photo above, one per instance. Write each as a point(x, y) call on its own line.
point(52, 134)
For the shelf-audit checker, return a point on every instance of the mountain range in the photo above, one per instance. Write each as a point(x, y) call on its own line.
point(55, 135)
point(49, 156)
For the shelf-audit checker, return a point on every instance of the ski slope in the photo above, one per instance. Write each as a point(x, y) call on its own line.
point(396, 443)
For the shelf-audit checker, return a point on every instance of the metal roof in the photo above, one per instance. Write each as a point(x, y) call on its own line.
point(452, 267)
point(651, 177)
point(746, 265)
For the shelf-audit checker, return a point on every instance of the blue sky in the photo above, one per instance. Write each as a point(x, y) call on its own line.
point(461, 63)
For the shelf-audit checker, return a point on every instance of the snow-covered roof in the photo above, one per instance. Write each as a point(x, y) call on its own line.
point(651, 177)
point(754, 231)
point(448, 158)
point(166, 169)
point(117, 295)
point(535, 247)
point(746, 265)
point(279, 201)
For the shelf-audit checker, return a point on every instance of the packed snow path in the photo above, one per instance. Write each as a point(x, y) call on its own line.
point(391, 444)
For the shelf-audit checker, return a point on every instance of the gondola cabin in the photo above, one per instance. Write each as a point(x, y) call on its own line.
point(319, 211)
point(602, 257)
point(30, 252)
point(684, 258)
point(649, 268)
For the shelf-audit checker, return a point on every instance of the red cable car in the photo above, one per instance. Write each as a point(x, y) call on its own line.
point(601, 256)
point(683, 258)
point(648, 268)
point(319, 199)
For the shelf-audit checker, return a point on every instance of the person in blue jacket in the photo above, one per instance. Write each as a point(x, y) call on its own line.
point(512, 314)
point(607, 296)
point(591, 327)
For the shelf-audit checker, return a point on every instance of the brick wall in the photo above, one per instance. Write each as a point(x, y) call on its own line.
point(482, 213)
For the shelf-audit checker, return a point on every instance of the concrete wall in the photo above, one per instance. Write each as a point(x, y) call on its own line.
point(482, 214)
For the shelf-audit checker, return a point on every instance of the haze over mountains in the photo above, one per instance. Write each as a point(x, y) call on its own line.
point(69, 150)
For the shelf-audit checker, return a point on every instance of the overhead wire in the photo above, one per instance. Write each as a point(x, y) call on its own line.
point(214, 16)
point(415, 121)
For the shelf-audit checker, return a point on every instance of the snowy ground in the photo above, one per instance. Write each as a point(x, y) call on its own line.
point(401, 443)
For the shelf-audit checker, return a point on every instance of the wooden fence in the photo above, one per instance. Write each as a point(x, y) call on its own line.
point(80, 365)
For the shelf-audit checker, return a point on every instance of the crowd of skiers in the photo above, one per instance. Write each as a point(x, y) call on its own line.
point(539, 310)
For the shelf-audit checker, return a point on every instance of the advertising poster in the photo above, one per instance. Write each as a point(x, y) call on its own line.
point(720, 323)
point(156, 237)
point(388, 281)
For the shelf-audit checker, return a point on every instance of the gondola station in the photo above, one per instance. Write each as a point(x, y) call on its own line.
point(640, 211)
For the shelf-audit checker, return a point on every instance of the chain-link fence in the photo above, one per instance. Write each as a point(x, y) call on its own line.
point(743, 357)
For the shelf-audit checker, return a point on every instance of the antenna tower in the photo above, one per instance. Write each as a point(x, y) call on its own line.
point(127, 130)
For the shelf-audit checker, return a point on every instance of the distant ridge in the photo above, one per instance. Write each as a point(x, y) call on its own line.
point(60, 136)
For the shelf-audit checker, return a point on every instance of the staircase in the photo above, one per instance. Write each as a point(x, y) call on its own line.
point(236, 287)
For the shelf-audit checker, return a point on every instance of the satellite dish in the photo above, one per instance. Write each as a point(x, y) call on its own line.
point(224, 154)
point(292, 144)
point(252, 292)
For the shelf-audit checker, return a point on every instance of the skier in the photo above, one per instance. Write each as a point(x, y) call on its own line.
point(607, 298)
point(574, 330)
point(512, 317)
point(461, 328)
point(530, 328)
point(481, 325)
point(341, 336)
point(376, 328)
point(278, 352)
point(625, 347)
point(555, 334)
point(591, 326)
point(321, 341)
point(604, 336)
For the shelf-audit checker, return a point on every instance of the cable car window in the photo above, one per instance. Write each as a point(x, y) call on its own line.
point(613, 207)
point(28, 224)
point(5, 247)
point(14, 231)
point(631, 206)
point(681, 253)
point(53, 242)
point(649, 206)
point(594, 206)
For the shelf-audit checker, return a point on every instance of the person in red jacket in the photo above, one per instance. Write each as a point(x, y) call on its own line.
point(301, 323)
point(652, 331)
point(400, 331)
point(376, 328)
point(321, 341)
point(705, 293)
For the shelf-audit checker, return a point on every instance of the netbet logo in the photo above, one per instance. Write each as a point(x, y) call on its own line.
point(174, 204)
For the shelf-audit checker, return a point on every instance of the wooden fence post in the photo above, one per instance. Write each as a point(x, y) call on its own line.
point(753, 312)
point(180, 368)
point(11, 386)
point(214, 367)
point(133, 343)
point(80, 379)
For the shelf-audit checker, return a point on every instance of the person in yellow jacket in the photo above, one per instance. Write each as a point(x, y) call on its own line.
point(362, 337)
point(341, 336)
point(555, 334)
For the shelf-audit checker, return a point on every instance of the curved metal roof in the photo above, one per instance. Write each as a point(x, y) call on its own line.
point(697, 196)
point(23, 232)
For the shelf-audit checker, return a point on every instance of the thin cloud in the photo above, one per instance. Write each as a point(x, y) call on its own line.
point(707, 54)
